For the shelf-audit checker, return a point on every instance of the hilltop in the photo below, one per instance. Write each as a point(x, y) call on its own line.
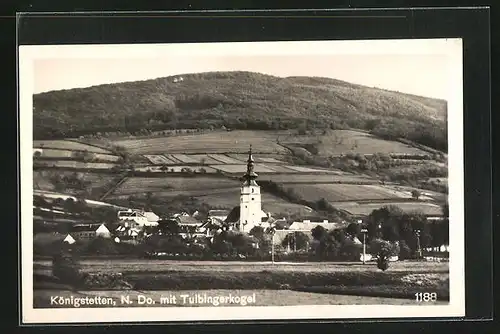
point(239, 100)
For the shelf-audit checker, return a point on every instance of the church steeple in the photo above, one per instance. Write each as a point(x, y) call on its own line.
point(250, 175)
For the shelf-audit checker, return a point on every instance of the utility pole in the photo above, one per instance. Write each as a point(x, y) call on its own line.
point(272, 248)
point(294, 241)
point(419, 250)
point(364, 231)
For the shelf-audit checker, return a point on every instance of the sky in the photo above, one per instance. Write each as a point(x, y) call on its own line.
point(419, 74)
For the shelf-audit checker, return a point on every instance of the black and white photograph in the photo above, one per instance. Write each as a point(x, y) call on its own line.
point(242, 180)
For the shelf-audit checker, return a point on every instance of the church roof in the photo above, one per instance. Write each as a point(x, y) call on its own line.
point(234, 215)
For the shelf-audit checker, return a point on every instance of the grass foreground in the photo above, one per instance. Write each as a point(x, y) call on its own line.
point(354, 280)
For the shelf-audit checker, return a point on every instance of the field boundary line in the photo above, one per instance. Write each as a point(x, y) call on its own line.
point(90, 144)
point(113, 188)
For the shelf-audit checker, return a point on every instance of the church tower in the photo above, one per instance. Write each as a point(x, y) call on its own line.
point(250, 200)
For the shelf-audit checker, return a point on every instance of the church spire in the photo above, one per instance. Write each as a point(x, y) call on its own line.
point(250, 175)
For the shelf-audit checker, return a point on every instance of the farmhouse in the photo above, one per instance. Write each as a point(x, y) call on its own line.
point(307, 225)
point(187, 221)
point(141, 217)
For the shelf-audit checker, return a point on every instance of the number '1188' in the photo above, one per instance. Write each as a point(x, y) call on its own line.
point(425, 296)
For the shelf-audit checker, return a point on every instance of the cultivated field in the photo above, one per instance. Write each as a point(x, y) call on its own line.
point(270, 203)
point(76, 164)
point(221, 158)
point(346, 192)
point(186, 159)
point(337, 142)
point(262, 298)
point(241, 169)
point(160, 160)
point(214, 142)
point(134, 185)
point(68, 154)
point(366, 208)
point(68, 145)
point(270, 158)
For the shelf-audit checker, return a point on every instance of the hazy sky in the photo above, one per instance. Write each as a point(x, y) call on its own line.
point(425, 75)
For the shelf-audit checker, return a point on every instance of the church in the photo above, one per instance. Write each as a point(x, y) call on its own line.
point(249, 213)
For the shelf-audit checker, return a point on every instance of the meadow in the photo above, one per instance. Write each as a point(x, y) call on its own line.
point(318, 178)
point(366, 208)
point(353, 278)
point(339, 142)
point(345, 192)
point(53, 153)
point(76, 165)
point(158, 266)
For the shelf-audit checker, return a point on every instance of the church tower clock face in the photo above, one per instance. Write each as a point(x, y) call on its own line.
point(250, 198)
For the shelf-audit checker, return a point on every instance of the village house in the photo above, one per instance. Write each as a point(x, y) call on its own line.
point(308, 225)
point(217, 216)
point(69, 239)
point(88, 232)
point(141, 217)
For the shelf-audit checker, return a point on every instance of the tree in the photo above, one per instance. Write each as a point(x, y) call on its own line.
point(353, 229)
point(339, 235)
point(383, 250)
point(415, 194)
point(258, 232)
point(69, 204)
point(404, 250)
point(169, 227)
point(296, 240)
point(319, 233)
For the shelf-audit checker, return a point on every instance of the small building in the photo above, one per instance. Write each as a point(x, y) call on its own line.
point(69, 239)
point(103, 232)
point(152, 218)
point(218, 215)
point(308, 225)
point(141, 217)
point(83, 232)
point(184, 221)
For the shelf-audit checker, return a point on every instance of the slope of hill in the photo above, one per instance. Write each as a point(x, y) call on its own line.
point(240, 100)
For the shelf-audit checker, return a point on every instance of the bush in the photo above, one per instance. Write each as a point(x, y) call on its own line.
point(66, 268)
point(383, 250)
point(383, 262)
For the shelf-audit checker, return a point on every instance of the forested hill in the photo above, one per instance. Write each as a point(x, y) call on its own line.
point(238, 100)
